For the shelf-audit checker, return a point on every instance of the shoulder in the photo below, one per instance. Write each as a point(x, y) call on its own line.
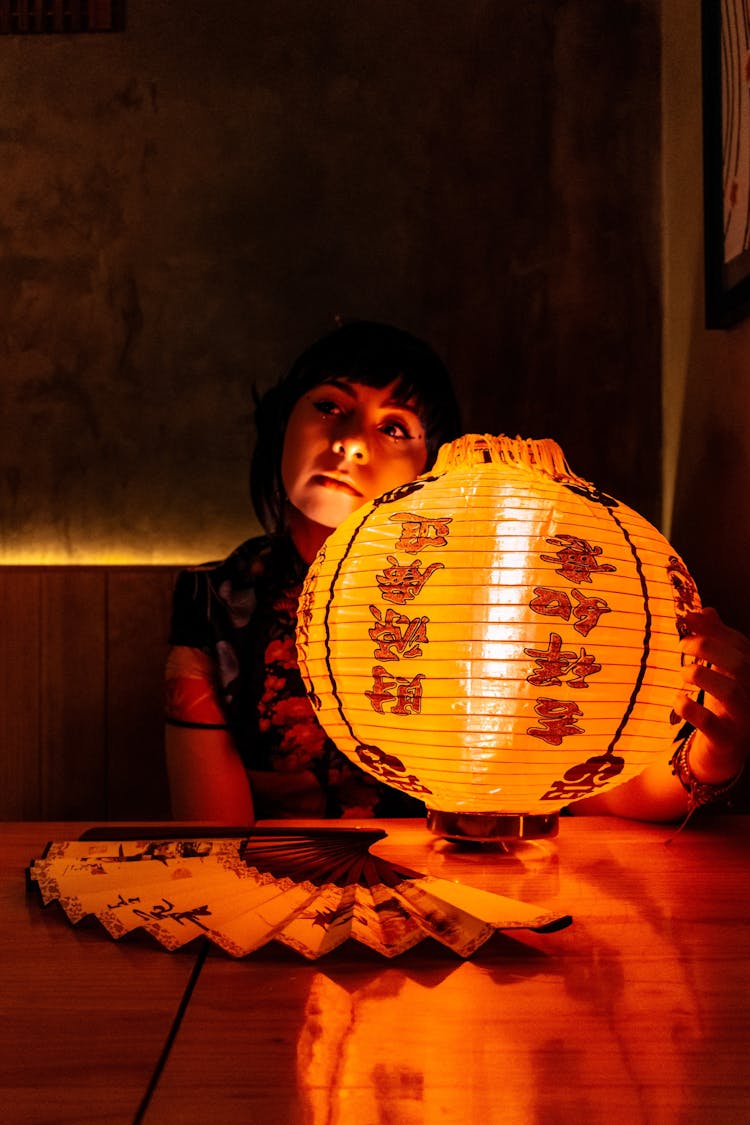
point(256, 570)
point(219, 590)
point(242, 568)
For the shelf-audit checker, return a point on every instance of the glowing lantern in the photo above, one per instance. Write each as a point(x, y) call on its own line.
point(497, 638)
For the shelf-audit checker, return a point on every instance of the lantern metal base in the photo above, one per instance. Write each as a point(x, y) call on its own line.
point(492, 828)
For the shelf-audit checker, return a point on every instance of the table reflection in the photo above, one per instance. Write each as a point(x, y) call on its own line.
point(471, 1044)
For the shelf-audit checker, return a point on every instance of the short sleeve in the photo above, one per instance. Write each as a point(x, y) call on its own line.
point(191, 610)
point(191, 699)
point(210, 663)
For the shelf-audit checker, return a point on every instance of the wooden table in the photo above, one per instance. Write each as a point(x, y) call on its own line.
point(638, 1012)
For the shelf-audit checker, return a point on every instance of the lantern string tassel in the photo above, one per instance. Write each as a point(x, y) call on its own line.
point(541, 455)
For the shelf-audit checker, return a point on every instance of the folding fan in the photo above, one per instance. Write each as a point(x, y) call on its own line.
point(309, 889)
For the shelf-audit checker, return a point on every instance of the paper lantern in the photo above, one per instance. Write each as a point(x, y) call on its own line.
point(308, 889)
point(497, 637)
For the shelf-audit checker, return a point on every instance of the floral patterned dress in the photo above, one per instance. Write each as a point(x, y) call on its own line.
point(233, 666)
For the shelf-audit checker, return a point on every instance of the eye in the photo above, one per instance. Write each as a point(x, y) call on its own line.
point(326, 406)
point(396, 429)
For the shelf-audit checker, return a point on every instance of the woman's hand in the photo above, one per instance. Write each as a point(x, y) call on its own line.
point(721, 742)
point(722, 721)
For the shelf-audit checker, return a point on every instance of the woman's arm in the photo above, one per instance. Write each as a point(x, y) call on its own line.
point(207, 779)
point(655, 794)
point(721, 742)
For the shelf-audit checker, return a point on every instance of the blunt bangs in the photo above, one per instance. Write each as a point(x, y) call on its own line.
point(363, 352)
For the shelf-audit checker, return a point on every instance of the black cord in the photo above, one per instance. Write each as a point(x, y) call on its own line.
point(179, 1015)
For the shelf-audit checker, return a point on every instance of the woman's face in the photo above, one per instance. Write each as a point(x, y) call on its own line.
point(345, 444)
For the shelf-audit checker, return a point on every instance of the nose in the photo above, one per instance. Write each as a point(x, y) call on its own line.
point(352, 447)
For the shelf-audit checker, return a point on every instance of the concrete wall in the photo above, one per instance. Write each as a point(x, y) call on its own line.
point(706, 373)
point(185, 205)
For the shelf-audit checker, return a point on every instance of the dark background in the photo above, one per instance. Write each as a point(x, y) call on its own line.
point(188, 203)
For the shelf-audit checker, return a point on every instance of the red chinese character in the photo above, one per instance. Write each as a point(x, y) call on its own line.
point(390, 768)
point(684, 592)
point(584, 667)
point(418, 532)
point(583, 779)
point(558, 720)
point(587, 612)
point(556, 603)
point(398, 636)
point(552, 662)
point(408, 697)
point(402, 583)
point(304, 616)
point(550, 603)
point(578, 558)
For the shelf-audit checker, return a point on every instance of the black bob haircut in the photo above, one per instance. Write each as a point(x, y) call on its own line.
point(360, 352)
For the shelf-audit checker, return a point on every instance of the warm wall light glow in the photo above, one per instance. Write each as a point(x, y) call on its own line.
point(497, 636)
point(88, 557)
point(107, 554)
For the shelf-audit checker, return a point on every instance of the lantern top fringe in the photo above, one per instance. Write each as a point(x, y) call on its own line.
point(540, 455)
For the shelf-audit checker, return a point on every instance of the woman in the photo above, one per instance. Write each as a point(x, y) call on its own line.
point(362, 411)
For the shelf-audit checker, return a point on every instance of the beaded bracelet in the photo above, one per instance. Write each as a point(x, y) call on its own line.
point(699, 793)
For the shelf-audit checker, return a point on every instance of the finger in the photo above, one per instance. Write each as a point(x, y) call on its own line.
point(704, 618)
point(707, 623)
point(723, 652)
point(726, 690)
point(724, 734)
point(713, 727)
point(717, 748)
point(706, 612)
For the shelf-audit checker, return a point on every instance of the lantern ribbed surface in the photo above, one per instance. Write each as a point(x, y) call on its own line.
point(496, 636)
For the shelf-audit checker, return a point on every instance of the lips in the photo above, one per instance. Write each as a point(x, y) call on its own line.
point(337, 483)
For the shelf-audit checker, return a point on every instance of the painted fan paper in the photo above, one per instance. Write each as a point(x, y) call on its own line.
point(310, 890)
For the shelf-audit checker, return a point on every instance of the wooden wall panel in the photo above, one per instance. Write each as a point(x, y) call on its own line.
point(82, 654)
point(73, 692)
point(20, 778)
point(139, 600)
